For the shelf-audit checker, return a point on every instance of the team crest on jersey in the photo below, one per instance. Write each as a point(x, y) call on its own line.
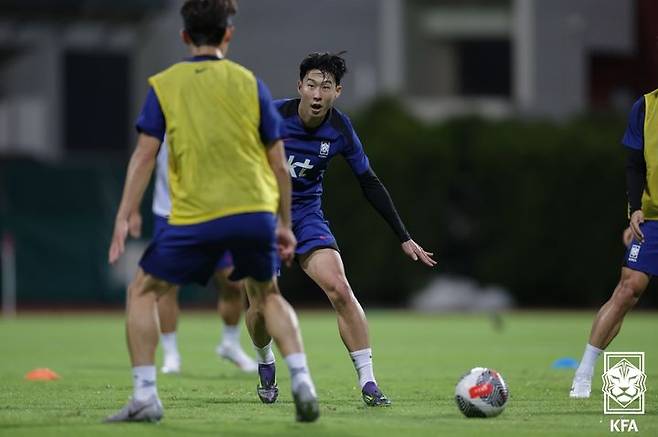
point(634, 252)
point(324, 149)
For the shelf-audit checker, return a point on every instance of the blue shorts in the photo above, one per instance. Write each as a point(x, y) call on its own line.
point(643, 257)
point(312, 233)
point(160, 222)
point(182, 254)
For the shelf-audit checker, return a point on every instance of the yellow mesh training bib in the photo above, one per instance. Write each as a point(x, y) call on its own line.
point(217, 163)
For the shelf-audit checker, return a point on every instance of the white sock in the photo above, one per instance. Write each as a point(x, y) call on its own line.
point(231, 335)
point(299, 371)
point(169, 344)
point(586, 367)
point(264, 354)
point(362, 360)
point(144, 382)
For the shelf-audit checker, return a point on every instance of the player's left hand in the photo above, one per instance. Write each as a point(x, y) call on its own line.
point(119, 236)
point(415, 252)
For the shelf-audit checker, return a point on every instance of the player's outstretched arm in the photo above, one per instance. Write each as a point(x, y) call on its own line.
point(286, 240)
point(380, 199)
point(138, 175)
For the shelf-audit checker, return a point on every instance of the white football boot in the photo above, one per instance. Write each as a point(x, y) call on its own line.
point(171, 364)
point(237, 356)
point(581, 387)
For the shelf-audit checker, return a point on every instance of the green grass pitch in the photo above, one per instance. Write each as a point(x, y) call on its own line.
point(418, 359)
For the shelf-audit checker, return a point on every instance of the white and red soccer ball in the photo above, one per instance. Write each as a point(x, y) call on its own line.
point(481, 392)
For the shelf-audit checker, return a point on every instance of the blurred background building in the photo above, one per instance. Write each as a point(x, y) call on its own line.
point(65, 61)
point(73, 77)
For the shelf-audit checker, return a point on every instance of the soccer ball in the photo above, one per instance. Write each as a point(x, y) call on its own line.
point(481, 392)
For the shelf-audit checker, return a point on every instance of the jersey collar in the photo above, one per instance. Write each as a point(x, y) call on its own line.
point(218, 57)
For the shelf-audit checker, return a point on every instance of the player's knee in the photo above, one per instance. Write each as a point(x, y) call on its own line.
point(340, 293)
point(628, 292)
point(260, 292)
point(135, 289)
point(147, 286)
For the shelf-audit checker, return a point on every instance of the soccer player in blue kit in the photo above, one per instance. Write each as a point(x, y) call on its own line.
point(230, 191)
point(315, 133)
point(641, 258)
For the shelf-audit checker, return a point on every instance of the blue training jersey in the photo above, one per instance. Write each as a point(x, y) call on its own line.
point(634, 135)
point(310, 150)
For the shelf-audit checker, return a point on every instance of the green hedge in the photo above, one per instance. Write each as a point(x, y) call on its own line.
point(535, 206)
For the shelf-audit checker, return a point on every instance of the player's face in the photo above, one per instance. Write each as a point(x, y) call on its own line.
point(318, 91)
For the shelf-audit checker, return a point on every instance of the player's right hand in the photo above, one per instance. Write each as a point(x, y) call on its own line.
point(637, 218)
point(135, 224)
point(119, 236)
point(286, 244)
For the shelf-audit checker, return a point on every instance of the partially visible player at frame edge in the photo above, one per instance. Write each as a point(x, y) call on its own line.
point(228, 181)
point(641, 258)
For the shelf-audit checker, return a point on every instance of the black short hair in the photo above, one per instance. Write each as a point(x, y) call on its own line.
point(325, 62)
point(205, 21)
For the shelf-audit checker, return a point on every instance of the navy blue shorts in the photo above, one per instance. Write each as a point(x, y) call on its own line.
point(182, 254)
point(643, 257)
point(160, 222)
point(312, 233)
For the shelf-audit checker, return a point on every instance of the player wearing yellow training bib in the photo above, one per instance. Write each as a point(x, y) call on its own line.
point(228, 179)
point(641, 258)
point(224, 152)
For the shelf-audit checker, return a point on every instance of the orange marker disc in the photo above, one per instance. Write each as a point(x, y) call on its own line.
point(41, 375)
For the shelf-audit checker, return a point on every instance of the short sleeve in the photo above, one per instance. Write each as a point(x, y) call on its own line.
point(353, 151)
point(634, 135)
point(271, 124)
point(151, 120)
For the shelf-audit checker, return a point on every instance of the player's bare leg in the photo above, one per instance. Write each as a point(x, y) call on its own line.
point(168, 310)
point(268, 391)
point(606, 326)
point(142, 331)
point(325, 267)
point(230, 305)
point(272, 316)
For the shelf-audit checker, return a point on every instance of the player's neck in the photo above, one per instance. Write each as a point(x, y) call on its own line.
point(206, 51)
